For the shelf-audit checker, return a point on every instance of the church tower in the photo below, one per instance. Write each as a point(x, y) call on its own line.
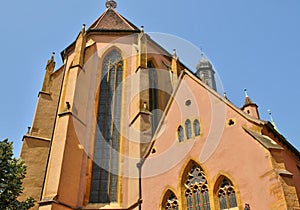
point(206, 72)
point(250, 107)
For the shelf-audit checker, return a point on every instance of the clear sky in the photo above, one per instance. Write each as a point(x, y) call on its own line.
point(252, 44)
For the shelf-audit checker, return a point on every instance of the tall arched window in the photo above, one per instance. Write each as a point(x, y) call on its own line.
point(188, 129)
point(196, 128)
point(170, 201)
point(226, 195)
point(104, 180)
point(153, 95)
point(196, 189)
point(180, 134)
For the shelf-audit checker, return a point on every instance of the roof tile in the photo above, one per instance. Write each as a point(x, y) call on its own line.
point(111, 20)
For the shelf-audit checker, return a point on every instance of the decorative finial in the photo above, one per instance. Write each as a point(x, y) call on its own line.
point(83, 26)
point(53, 54)
point(225, 95)
point(51, 60)
point(203, 57)
point(246, 92)
point(111, 4)
point(271, 118)
point(202, 53)
point(142, 29)
point(174, 53)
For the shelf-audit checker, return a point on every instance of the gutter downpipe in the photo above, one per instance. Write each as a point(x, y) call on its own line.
point(139, 165)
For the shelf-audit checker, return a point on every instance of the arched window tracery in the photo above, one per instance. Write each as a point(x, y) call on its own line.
point(226, 195)
point(170, 201)
point(104, 180)
point(196, 189)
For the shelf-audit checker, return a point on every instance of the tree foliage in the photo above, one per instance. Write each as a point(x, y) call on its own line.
point(12, 173)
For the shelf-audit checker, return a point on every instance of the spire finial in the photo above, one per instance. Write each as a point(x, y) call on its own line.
point(51, 59)
point(52, 56)
point(270, 113)
point(111, 4)
point(246, 92)
point(271, 118)
point(174, 53)
point(202, 53)
point(225, 95)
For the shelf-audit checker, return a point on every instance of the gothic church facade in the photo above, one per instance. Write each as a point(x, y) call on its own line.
point(123, 124)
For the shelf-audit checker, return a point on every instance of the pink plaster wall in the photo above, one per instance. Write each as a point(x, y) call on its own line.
point(228, 150)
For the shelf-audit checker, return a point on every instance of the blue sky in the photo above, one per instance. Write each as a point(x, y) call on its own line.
point(252, 44)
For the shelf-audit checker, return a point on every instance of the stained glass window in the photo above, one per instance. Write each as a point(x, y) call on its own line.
point(104, 183)
point(196, 190)
point(205, 195)
point(231, 197)
point(226, 195)
point(170, 201)
point(196, 127)
point(222, 199)
point(180, 134)
point(153, 95)
point(189, 199)
point(188, 129)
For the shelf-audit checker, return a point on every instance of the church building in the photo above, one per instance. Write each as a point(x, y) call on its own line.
point(124, 124)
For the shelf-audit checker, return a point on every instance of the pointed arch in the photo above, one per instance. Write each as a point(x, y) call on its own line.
point(104, 178)
point(225, 193)
point(169, 201)
point(195, 188)
point(180, 133)
point(196, 126)
point(188, 129)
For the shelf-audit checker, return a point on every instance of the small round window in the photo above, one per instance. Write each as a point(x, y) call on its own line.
point(188, 102)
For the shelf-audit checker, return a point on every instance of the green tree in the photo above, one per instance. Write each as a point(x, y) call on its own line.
point(12, 173)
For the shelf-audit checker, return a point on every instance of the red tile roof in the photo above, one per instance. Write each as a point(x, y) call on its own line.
point(111, 20)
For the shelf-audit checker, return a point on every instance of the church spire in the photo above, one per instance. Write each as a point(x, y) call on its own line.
point(111, 4)
point(249, 107)
point(272, 120)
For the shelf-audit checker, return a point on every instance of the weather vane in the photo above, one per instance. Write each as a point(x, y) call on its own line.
point(246, 92)
point(111, 4)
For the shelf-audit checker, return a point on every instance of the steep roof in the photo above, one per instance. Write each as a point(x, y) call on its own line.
point(248, 101)
point(264, 140)
point(261, 138)
point(111, 20)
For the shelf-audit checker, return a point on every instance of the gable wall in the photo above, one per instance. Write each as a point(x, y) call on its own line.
point(220, 149)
